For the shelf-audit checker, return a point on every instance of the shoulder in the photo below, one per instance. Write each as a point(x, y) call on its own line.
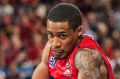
point(87, 57)
point(90, 64)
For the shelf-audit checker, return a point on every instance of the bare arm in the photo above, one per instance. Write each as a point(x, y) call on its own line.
point(88, 62)
point(41, 72)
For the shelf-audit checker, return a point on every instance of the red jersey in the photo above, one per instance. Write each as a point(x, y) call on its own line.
point(65, 68)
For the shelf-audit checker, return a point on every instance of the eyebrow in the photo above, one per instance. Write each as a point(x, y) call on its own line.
point(62, 32)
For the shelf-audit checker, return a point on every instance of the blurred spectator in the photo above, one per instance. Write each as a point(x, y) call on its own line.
point(102, 31)
point(107, 45)
point(92, 20)
point(116, 36)
point(12, 71)
point(116, 15)
point(6, 8)
point(85, 6)
point(117, 62)
point(41, 11)
point(25, 68)
point(87, 29)
point(2, 75)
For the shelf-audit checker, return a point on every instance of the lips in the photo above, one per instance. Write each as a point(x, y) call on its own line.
point(57, 51)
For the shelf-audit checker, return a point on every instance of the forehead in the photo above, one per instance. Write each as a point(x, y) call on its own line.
point(57, 26)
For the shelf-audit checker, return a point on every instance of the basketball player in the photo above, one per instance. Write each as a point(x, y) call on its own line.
point(69, 54)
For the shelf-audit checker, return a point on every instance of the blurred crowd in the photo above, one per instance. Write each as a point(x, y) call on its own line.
point(23, 32)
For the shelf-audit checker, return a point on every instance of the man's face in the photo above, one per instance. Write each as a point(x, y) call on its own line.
point(62, 38)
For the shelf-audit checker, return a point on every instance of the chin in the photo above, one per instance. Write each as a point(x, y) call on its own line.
point(60, 57)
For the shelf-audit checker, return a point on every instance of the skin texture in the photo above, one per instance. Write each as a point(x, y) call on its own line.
point(88, 62)
point(62, 40)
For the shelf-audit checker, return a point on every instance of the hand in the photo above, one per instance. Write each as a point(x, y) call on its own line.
point(47, 46)
point(46, 50)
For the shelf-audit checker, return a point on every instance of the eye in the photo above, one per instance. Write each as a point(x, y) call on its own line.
point(62, 36)
point(50, 35)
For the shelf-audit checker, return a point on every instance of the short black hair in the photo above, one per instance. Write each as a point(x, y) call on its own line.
point(66, 12)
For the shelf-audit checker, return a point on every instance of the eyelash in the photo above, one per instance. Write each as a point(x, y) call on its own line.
point(50, 35)
point(62, 36)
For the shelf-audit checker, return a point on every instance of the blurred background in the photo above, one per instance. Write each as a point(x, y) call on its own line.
point(23, 32)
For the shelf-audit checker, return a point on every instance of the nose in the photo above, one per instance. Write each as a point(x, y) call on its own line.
point(56, 43)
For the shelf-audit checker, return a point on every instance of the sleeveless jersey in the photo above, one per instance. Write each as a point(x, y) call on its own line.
point(65, 68)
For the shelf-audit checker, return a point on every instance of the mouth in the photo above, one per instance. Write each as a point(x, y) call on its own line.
point(57, 52)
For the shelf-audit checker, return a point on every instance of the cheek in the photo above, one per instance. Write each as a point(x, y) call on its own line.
point(68, 43)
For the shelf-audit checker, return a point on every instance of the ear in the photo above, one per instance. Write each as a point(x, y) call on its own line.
point(79, 30)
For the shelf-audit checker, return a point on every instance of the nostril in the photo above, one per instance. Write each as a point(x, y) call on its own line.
point(55, 46)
